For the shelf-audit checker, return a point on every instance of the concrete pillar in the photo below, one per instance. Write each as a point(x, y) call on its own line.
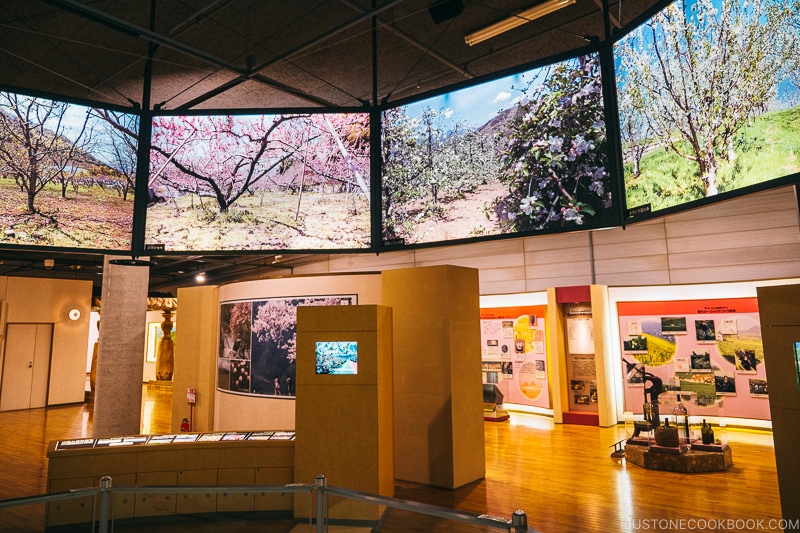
point(120, 358)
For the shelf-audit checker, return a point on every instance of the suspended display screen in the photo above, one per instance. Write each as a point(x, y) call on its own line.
point(708, 94)
point(67, 174)
point(259, 182)
point(525, 153)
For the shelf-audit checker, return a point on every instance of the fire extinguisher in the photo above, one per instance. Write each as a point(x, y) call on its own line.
point(185, 425)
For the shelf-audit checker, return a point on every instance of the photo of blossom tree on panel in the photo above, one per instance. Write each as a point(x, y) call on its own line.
point(522, 153)
point(259, 182)
point(67, 174)
point(257, 349)
point(708, 94)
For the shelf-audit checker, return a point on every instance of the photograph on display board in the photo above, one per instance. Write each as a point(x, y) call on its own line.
point(530, 379)
point(758, 388)
point(682, 364)
point(705, 331)
point(234, 330)
point(728, 327)
point(634, 377)
point(593, 395)
point(673, 325)
point(240, 376)
point(635, 345)
point(634, 328)
point(725, 383)
point(703, 385)
point(743, 349)
point(746, 361)
point(653, 347)
point(257, 343)
point(582, 399)
point(577, 384)
point(700, 362)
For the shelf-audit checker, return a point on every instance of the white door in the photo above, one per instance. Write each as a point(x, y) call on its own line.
point(26, 366)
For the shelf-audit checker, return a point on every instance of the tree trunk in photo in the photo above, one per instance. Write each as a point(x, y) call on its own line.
point(709, 175)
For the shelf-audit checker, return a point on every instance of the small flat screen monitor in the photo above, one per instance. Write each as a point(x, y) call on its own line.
point(337, 357)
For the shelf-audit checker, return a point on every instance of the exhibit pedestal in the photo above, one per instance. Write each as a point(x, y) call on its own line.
point(494, 413)
point(691, 461)
point(344, 421)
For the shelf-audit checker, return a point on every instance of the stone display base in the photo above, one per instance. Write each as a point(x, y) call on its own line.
point(162, 385)
point(689, 462)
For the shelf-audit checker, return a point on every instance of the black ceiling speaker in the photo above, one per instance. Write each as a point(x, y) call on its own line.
point(445, 10)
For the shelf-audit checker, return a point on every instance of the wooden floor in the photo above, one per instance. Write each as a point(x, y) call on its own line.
point(562, 476)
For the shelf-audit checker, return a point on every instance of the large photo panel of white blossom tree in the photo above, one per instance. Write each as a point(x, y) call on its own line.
point(67, 174)
point(709, 100)
point(259, 182)
point(523, 153)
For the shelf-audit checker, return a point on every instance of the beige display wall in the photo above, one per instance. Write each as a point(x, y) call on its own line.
point(238, 411)
point(48, 301)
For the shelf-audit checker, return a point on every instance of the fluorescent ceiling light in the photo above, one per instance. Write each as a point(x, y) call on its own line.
point(519, 19)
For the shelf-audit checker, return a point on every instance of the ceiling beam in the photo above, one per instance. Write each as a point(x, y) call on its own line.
point(294, 52)
point(414, 42)
point(116, 23)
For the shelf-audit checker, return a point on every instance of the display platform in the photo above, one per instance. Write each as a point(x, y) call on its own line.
point(494, 413)
point(581, 418)
point(691, 461)
point(213, 459)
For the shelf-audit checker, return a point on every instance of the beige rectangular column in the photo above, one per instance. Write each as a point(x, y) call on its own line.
point(438, 401)
point(779, 310)
point(196, 356)
point(343, 427)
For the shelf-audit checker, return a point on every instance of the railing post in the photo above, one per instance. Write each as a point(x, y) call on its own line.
point(520, 521)
point(319, 485)
point(105, 490)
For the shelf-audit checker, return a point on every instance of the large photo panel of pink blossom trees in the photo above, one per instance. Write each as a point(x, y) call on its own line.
point(295, 181)
point(523, 153)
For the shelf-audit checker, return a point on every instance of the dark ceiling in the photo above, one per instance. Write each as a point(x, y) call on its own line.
point(227, 54)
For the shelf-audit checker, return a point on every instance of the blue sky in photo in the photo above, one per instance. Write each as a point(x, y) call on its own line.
point(786, 91)
point(480, 103)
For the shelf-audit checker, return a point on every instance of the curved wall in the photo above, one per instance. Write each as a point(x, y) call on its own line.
point(234, 411)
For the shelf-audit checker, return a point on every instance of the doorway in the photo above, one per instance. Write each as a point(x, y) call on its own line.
point(26, 366)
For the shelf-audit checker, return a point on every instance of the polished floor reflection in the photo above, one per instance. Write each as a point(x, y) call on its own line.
point(562, 476)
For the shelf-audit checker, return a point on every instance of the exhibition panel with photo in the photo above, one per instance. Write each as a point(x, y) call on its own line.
point(708, 93)
point(705, 350)
point(67, 174)
point(259, 182)
point(520, 154)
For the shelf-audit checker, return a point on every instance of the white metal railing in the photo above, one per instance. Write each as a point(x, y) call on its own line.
point(518, 522)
